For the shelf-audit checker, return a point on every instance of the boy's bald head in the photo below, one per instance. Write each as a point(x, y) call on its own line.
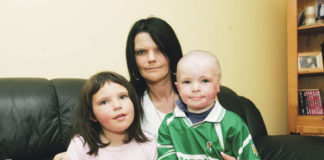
point(201, 57)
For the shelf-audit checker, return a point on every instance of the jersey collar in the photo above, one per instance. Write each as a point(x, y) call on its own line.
point(216, 114)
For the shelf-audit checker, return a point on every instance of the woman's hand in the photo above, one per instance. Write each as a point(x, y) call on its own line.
point(227, 157)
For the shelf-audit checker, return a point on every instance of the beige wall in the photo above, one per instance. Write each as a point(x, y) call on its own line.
point(77, 38)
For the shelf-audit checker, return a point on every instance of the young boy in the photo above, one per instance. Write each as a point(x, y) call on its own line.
point(199, 127)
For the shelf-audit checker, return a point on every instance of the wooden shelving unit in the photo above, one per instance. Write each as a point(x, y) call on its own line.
point(303, 39)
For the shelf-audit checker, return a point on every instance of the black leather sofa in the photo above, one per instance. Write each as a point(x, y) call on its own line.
point(36, 118)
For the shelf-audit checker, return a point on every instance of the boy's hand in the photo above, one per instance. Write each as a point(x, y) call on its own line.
point(227, 157)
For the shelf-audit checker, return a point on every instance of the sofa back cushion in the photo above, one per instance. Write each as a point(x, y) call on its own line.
point(36, 116)
point(245, 109)
point(29, 121)
point(67, 91)
point(254, 119)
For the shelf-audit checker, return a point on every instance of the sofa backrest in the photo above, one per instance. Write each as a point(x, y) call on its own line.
point(67, 91)
point(37, 115)
point(34, 116)
point(245, 109)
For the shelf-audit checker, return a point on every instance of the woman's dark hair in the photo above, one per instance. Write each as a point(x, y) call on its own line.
point(90, 130)
point(167, 42)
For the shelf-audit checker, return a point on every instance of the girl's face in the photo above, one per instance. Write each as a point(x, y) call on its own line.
point(152, 64)
point(113, 108)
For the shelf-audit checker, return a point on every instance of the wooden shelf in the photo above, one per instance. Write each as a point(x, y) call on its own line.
point(303, 39)
point(313, 117)
point(310, 125)
point(314, 26)
point(311, 72)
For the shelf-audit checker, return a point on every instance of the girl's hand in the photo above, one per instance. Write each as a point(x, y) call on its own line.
point(227, 157)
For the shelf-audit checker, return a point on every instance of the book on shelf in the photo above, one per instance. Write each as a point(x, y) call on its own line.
point(310, 102)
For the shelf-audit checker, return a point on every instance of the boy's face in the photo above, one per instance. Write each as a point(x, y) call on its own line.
point(197, 85)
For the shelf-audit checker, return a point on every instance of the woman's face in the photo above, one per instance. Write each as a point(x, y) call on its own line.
point(152, 64)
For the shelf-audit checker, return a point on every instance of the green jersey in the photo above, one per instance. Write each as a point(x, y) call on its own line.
point(221, 131)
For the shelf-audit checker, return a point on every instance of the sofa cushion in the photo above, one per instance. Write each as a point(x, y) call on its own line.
point(290, 147)
point(245, 109)
point(67, 91)
point(29, 123)
point(229, 100)
point(254, 119)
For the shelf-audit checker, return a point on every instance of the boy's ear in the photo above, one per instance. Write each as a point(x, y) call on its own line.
point(218, 85)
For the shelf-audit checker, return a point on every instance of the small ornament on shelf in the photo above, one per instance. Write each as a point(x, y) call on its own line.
point(320, 9)
point(310, 15)
point(322, 47)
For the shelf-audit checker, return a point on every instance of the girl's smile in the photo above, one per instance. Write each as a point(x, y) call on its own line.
point(120, 117)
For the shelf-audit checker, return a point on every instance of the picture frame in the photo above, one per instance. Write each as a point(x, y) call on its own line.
point(310, 62)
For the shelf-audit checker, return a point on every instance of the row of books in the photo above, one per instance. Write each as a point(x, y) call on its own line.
point(310, 102)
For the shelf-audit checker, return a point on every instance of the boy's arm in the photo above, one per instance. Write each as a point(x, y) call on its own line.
point(243, 144)
point(165, 145)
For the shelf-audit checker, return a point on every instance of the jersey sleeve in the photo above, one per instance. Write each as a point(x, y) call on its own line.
point(165, 146)
point(243, 145)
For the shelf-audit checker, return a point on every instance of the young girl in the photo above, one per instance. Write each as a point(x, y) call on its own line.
point(108, 122)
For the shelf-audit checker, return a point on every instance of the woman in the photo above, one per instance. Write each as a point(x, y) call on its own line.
point(153, 51)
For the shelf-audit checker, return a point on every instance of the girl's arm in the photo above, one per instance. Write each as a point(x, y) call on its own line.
point(77, 150)
point(62, 156)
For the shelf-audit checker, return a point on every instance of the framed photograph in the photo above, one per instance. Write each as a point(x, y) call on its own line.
point(310, 62)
